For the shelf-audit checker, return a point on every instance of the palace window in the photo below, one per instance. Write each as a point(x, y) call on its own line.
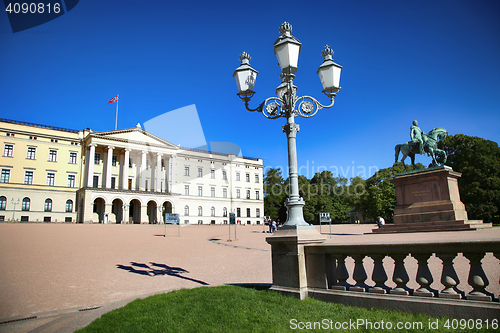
point(186, 210)
point(3, 202)
point(238, 193)
point(212, 192)
point(69, 206)
point(5, 177)
point(212, 174)
point(114, 160)
point(257, 195)
point(71, 180)
point(248, 194)
point(248, 212)
point(26, 204)
point(48, 205)
point(186, 189)
point(8, 150)
point(224, 212)
point(72, 157)
point(257, 212)
point(224, 192)
point(186, 171)
point(200, 211)
point(51, 179)
point(52, 155)
point(247, 178)
point(200, 172)
point(237, 176)
point(212, 211)
point(256, 178)
point(28, 177)
point(97, 158)
point(224, 175)
point(200, 191)
point(31, 154)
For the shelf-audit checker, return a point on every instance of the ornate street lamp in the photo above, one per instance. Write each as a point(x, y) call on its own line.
point(162, 210)
point(125, 208)
point(14, 210)
point(289, 105)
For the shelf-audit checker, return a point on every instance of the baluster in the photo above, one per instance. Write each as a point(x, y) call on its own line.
point(477, 278)
point(359, 274)
point(449, 277)
point(330, 270)
point(424, 276)
point(341, 274)
point(400, 276)
point(378, 275)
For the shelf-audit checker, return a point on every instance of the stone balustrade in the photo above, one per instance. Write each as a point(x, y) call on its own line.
point(326, 268)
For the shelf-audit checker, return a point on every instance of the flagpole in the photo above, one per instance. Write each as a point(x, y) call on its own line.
point(116, 120)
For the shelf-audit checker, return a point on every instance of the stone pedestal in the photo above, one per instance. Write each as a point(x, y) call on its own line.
point(288, 259)
point(429, 200)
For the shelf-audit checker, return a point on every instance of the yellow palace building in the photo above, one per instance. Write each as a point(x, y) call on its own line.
point(51, 174)
point(40, 172)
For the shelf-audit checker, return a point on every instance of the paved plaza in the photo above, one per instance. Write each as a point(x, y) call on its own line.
point(53, 271)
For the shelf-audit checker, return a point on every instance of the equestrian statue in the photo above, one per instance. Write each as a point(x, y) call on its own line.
point(422, 143)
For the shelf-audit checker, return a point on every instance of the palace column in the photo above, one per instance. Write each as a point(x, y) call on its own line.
point(108, 166)
point(173, 170)
point(166, 174)
point(158, 172)
point(126, 160)
point(143, 170)
point(90, 165)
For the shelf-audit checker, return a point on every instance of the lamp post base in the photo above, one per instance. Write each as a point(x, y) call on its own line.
point(288, 257)
point(295, 213)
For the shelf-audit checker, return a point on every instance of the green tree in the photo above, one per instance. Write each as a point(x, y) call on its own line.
point(328, 195)
point(379, 196)
point(274, 193)
point(479, 162)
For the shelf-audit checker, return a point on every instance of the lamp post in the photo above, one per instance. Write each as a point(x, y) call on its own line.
point(161, 209)
point(14, 211)
point(288, 105)
point(125, 208)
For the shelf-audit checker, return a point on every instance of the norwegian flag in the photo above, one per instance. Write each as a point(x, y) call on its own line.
point(113, 100)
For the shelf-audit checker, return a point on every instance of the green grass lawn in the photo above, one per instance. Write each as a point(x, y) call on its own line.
point(238, 309)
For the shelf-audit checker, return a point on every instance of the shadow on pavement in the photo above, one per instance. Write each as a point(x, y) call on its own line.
point(155, 269)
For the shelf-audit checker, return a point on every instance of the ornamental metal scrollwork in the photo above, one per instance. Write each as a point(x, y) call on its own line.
point(272, 108)
point(275, 107)
point(307, 107)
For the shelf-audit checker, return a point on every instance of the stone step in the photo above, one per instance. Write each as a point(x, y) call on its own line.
point(432, 226)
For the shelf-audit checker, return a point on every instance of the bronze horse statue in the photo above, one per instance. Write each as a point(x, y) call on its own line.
point(430, 141)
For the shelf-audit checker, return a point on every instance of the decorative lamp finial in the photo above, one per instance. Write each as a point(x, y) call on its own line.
point(327, 53)
point(286, 29)
point(244, 58)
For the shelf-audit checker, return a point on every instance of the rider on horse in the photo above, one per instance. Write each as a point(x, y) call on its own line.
point(416, 135)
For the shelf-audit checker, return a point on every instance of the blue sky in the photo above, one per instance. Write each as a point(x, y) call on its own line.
point(434, 61)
